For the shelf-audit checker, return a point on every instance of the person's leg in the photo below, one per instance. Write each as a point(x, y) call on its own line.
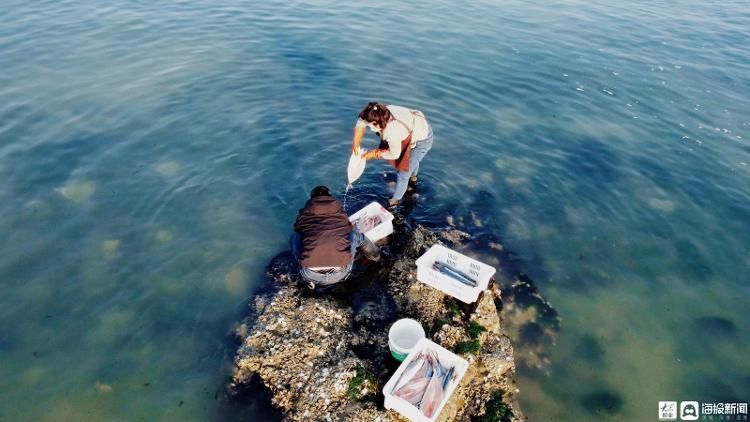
point(413, 177)
point(340, 275)
point(308, 278)
point(369, 249)
point(328, 278)
point(355, 237)
point(402, 181)
point(417, 154)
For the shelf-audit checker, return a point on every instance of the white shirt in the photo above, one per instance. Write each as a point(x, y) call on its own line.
point(395, 132)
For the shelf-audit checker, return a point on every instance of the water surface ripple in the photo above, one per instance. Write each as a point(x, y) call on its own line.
point(153, 157)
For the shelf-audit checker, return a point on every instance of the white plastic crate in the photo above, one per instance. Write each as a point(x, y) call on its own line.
point(477, 270)
point(380, 231)
point(447, 358)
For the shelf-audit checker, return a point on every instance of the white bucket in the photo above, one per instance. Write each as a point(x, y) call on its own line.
point(403, 336)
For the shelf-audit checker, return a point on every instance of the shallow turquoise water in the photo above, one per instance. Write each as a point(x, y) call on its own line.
point(153, 157)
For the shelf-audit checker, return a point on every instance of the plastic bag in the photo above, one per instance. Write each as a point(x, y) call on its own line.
point(356, 166)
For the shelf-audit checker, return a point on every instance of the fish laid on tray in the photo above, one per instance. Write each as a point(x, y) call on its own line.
point(454, 273)
point(367, 223)
point(424, 382)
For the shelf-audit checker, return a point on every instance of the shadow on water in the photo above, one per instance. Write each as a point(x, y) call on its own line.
point(603, 402)
point(703, 337)
point(719, 328)
point(708, 338)
point(252, 402)
point(694, 265)
point(480, 219)
point(54, 161)
point(713, 389)
point(594, 160)
point(590, 349)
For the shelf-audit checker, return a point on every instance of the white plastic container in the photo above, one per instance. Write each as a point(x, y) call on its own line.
point(403, 336)
point(380, 231)
point(405, 408)
point(446, 284)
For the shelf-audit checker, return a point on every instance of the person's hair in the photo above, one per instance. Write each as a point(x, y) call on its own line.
point(320, 191)
point(376, 113)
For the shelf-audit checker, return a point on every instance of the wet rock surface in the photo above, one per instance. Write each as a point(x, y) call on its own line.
point(324, 355)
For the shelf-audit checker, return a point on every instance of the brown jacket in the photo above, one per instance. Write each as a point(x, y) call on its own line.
point(324, 228)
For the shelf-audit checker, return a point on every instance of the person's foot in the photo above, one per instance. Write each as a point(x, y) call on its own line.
point(373, 256)
point(412, 185)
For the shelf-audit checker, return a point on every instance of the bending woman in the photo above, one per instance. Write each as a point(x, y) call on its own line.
point(405, 138)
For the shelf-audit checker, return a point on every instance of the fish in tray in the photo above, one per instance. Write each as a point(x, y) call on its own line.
point(424, 382)
point(368, 223)
point(436, 389)
point(419, 366)
point(415, 382)
point(414, 390)
point(454, 273)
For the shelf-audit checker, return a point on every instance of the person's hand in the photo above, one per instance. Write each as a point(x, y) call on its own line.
point(370, 154)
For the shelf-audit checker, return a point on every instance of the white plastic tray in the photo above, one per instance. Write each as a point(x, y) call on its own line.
point(380, 231)
point(405, 408)
point(479, 271)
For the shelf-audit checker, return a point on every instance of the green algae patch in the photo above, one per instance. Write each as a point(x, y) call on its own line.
point(357, 389)
point(497, 410)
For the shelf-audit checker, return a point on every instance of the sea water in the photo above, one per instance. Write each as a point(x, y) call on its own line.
point(153, 157)
point(346, 196)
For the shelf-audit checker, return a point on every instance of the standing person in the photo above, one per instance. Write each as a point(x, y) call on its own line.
point(325, 242)
point(405, 138)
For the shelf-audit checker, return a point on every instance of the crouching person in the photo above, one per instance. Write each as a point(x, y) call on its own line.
point(324, 241)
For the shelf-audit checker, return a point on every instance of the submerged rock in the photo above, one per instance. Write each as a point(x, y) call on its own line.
point(77, 192)
point(715, 326)
point(168, 168)
point(109, 247)
point(235, 281)
point(602, 402)
point(163, 236)
point(531, 322)
point(324, 356)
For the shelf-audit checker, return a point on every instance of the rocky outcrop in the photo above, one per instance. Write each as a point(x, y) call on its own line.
point(324, 356)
